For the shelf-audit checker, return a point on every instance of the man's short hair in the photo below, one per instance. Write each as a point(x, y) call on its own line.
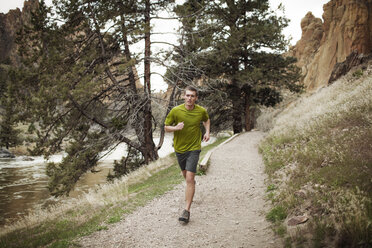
point(191, 88)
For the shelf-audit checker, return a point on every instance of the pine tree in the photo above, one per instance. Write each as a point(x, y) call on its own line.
point(83, 88)
point(9, 114)
point(238, 46)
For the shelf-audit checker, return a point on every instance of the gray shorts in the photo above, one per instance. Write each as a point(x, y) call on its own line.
point(188, 160)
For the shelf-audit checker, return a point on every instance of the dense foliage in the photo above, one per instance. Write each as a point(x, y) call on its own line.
point(235, 48)
point(10, 114)
point(80, 85)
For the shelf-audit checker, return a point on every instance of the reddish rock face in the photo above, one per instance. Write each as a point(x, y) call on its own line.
point(346, 26)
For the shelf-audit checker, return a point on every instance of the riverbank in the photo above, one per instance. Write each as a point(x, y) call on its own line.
point(23, 180)
point(95, 210)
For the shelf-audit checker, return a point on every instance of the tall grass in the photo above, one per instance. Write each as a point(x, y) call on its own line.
point(60, 225)
point(74, 217)
point(321, 146)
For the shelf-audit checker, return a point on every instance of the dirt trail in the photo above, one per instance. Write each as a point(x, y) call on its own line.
point(228, 208)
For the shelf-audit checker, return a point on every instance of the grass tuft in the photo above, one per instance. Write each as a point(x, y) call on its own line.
point(277, 213)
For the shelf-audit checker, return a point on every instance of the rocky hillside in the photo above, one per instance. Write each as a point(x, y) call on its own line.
point(318, 158)
point(346, 27)
point(10, 23)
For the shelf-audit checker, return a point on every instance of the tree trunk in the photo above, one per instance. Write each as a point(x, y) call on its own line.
point(150, 148)
point(247, 103)
point(170, 106)
point(237, 107)
point(253, 117)
point(128, 57)
point(247, 122)
point(249, 118)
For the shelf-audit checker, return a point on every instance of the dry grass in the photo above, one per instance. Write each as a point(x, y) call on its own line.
point(106, 195)
point(320, 146)
point(268, 115)
point(60, 225)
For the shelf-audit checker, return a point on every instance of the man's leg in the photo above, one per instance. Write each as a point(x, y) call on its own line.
point(188, 172)
point(184, 173)
point(190, 188)
point(189, 194)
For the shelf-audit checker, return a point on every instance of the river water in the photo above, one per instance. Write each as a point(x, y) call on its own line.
point(23, 184)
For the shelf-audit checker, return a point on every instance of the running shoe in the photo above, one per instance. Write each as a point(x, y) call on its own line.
point(185, 216)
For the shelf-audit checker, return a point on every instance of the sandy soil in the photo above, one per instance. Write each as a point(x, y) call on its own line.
point(228, 208)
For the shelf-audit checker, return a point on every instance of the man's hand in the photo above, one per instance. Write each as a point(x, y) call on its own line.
point(179, 126)
point(206, 137)
point(207, 126)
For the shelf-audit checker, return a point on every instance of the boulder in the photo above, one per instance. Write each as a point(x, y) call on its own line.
point(27, 159)
point(354, 59)
point(296, 220)
point(6, 154)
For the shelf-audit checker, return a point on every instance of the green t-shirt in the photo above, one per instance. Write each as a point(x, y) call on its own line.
point(189, 138)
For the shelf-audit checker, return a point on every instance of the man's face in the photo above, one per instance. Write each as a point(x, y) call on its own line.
point(190, 97)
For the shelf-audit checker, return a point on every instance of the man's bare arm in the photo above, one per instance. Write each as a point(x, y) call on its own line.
point(178, 127)
point(207, 126)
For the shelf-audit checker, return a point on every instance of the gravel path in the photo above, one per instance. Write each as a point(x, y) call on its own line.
point(228, 208)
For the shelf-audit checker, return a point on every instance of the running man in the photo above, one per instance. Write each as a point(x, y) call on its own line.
point(184, 120)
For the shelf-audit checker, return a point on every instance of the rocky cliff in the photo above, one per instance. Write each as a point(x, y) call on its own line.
point(10, 23)
point(346, 27)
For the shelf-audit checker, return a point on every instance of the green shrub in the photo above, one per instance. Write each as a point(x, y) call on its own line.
point(277, 213)
point(358, 73)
